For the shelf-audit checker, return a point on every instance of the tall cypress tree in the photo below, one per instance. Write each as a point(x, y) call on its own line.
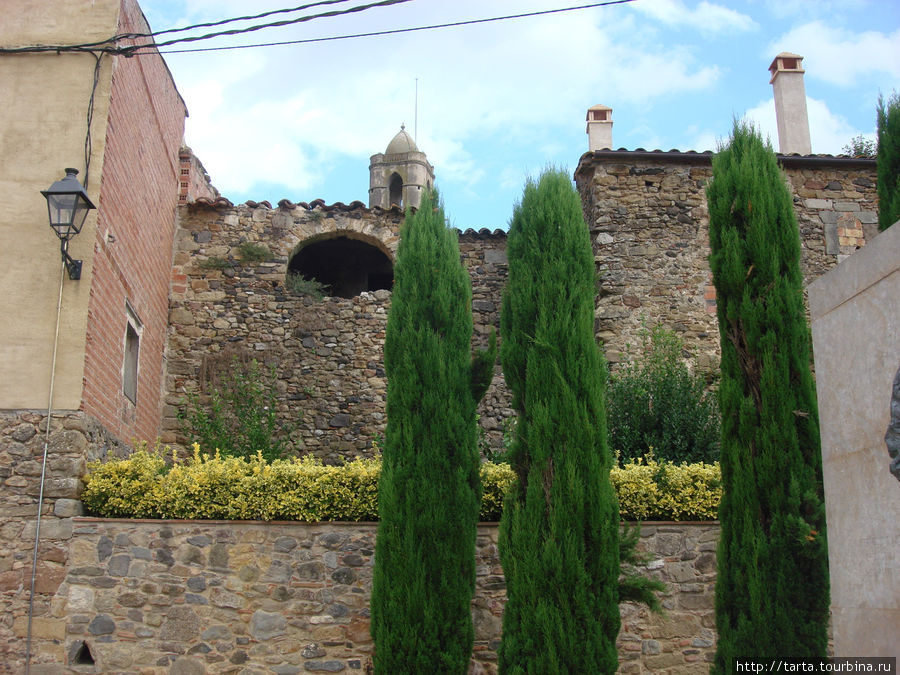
point(429, 491)
point(772, 590)
point(888, 161)
point(559, 530)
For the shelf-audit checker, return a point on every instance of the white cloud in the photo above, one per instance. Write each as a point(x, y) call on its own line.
point(706, 17)
point(839, 56)
point(828, 132)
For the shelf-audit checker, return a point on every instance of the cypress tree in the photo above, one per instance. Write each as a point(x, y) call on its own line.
point(429, 490)
point(772, 589)
point(559, 531)
point(888, 161)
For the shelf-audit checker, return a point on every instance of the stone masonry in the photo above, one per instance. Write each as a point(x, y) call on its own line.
point(74, 439)
point(326, 354)
point(177, 597)
point(649, 224)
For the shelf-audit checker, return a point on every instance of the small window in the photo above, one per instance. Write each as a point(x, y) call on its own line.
point(132, 352)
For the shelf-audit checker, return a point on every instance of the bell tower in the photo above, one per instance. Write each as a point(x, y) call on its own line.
point(399, 175)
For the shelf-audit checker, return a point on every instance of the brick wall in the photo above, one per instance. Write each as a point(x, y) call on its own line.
point(133, 249)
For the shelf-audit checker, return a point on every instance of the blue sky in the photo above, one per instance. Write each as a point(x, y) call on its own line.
point(499, 101)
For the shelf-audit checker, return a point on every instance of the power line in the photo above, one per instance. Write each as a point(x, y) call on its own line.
point(137, 50)
point(274, 24)
point(109, 47)
point(238, 18)
point(398, 30)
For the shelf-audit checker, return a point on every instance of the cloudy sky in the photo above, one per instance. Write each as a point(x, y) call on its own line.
point(499, 101)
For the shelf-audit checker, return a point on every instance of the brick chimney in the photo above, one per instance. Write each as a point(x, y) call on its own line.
point(599, 128)
point(790, 104)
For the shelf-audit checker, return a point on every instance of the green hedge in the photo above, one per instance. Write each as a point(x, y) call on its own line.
point(145, 485)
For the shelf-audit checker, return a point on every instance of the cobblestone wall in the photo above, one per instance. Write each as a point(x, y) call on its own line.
point(649, 223)
point(649, 226)
point(326, 354)
point(166, 597)
point(74, 439)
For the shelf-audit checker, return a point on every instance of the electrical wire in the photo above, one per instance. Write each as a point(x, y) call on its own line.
point(90, 119)
point(138, 50)
point(108, 46)
point(212, 24)
point(393, 31)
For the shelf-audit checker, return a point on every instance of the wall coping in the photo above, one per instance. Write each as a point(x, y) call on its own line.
point(341, 523)
point(591, 158)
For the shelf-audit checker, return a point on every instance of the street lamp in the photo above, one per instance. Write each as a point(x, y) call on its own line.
point(68, 205)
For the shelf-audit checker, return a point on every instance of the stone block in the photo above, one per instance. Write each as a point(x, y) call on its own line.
point(332, 666)
point(181, 624)
point(41, 628)
point(266, 625)
point(818, 203)
point(832, 241)
point(69, 488)
point(68, 508)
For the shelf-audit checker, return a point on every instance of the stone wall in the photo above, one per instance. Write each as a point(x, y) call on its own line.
point(326, 354)
point(160, 597)
point(649, 226)
point(649, 223)
point(74, 439)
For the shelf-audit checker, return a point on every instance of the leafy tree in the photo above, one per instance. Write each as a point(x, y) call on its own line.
point(559, 530)
point(772, 590)
point(656, 402)
point(888, 114)
point(429, 491)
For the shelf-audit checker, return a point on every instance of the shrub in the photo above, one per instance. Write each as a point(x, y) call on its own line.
point(151, 484)
point(240, 419)
point(860, 146)
point(214, 263)
point(654, 401)
point(651, 490)
point(772, 590)
point(252, 252)
point(300, 285)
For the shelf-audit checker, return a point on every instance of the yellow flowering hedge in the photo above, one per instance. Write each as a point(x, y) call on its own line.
point(145, 485)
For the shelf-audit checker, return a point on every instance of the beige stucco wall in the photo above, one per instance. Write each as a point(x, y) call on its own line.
point(42, 131)
point(855, 311)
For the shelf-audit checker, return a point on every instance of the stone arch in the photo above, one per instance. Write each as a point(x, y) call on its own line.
point(395, 190)
point(346, 262)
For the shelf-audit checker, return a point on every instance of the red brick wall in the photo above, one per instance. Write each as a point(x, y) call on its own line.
point(133, 249)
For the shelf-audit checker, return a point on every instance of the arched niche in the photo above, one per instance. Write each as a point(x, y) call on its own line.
point(346, 262)
point(395, 190)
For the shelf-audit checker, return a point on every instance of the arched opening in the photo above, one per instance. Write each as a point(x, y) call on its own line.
point(395, 190)
point(346, 267)
point(80, 654)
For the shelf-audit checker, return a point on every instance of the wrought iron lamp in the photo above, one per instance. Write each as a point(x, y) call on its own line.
point(68, 205)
